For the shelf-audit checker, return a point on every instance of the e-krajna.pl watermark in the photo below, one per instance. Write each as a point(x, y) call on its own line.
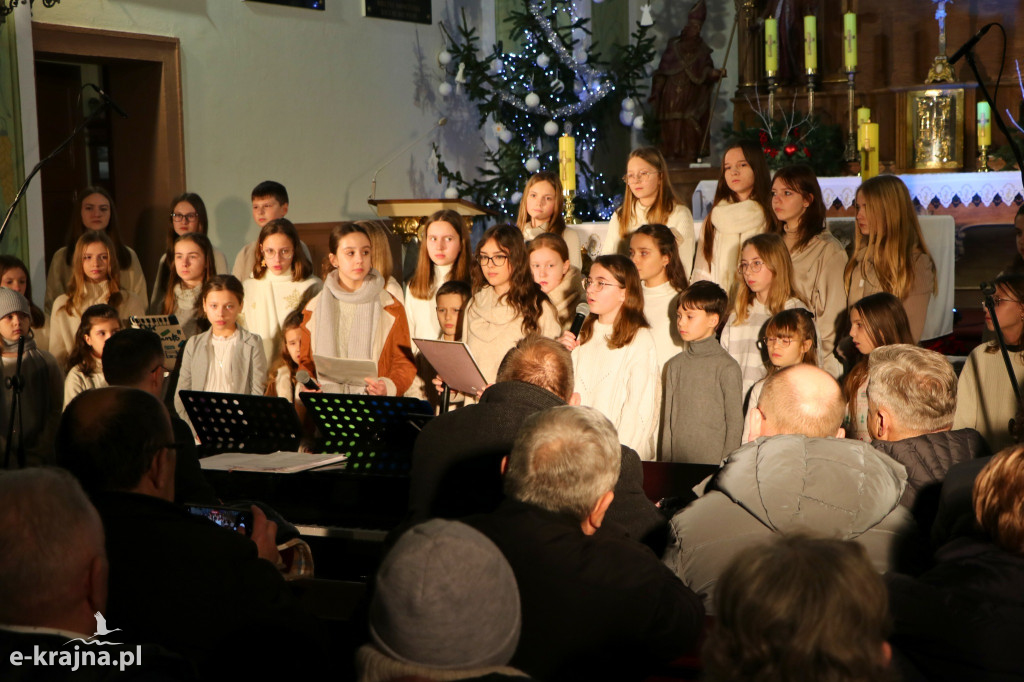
point(78, 658)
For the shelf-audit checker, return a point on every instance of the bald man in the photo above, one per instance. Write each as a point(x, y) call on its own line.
point(798, 474)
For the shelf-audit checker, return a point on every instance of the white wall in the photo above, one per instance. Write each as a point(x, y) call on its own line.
point(316, 100)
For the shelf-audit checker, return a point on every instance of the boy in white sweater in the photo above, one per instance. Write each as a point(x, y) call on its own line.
point(702, 411)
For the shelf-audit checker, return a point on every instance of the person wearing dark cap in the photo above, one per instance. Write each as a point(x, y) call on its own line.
point(446, 607)
point(42, 390)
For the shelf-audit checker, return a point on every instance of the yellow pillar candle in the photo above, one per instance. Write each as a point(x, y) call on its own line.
point(567, 162)
point(850, 41)
point(863, 116)
point(771, 46)
point(869, 150)
point(984, 124)
point(811, 43)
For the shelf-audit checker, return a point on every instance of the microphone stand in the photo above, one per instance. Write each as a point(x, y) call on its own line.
point(16, 383)
point(105, 104)
point(446, 398)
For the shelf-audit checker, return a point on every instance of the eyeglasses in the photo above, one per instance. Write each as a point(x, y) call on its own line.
point(184, 217)
point(999, 301)
point(497, 261)
point(283, 253)
point(599, 284)
point(752, 267)
point(780, 341)
point(638, 177)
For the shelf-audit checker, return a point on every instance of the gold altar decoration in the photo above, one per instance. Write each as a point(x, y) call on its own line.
point(935, 128)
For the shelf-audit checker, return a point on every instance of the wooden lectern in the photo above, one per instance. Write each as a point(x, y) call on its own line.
point(406, 214)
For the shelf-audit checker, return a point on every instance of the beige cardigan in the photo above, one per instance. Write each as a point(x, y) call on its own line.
point(63, 324)
point(818, 270)
point(864, 282)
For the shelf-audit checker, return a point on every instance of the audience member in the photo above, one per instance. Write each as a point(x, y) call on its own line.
point(799, 474)
point(53, 588)
point(799, 609)
point(452, 478)
point(596, 604)
point(134, 358)
point(446, 607)
point(177, 579)
point(962, 619)
point(911, 403)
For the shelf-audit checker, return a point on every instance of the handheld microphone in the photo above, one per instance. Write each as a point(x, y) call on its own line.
point(582, 310)
point(302, 377)
point(969, 45)
point(373, 183)
point(106, 98)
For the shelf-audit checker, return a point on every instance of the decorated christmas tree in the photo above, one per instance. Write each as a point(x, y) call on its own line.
point(554, 83)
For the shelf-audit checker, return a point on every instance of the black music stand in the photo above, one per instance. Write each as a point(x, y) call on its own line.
point(376, 432)
point(231, 422)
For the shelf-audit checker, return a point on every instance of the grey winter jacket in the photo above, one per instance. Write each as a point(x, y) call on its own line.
point(828, 487)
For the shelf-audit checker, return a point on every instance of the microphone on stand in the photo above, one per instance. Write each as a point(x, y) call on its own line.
point(582, 310)
point(373, 184)
point(110, 102)
point(969, 45)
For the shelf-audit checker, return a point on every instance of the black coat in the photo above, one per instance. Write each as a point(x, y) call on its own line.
point(964, 618)
point(594, 607)
point(456, 466)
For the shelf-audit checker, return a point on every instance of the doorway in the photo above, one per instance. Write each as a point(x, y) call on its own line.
point(139, 159)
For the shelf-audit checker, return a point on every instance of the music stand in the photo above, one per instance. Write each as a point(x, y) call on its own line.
point(376, 432)
point(232, 422)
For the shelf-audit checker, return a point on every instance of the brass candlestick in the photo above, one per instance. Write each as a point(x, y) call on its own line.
point(983, 159)
point(771, 95)
point(811, 76)
point(570, 217)
point(852, 153)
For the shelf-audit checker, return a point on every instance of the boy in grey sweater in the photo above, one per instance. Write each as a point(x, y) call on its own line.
point(702, 409)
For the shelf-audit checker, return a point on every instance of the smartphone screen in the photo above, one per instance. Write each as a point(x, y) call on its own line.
point(237, 520)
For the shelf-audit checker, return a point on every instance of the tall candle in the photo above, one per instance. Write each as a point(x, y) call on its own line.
point(863, 116)
point(850, 41)
point(567, 162)
point(810, 43)
point(869, 150)
point(771, 46)
point(984, 124)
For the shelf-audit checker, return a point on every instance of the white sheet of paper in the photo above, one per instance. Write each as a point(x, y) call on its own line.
point(344, 371)
point(276, 462)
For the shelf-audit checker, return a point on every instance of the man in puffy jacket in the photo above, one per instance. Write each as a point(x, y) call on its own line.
point(911, 404)
point(799, 474)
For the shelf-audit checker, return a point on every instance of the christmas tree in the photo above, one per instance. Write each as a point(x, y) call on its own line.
point(556, 83)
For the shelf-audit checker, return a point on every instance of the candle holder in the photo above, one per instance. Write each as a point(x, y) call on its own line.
point(852, 153)
point(983, 159)
point(570, 216)
point(771, 95)
point(812, 75)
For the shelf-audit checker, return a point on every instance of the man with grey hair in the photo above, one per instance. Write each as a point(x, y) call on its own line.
point(799, 474)
point(595, 604)
point(911, 404)
point(53, 583)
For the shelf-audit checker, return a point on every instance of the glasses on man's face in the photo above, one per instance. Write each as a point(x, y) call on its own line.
point(184, 217)
point(599, 284)
point(639, 176)
point(780, 341)
point(753, 267)
point(497, 261)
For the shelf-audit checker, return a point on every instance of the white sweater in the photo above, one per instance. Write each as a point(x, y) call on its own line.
point(624, 384)
point(985, 399)
point(660, 305)
point(680, 221)
point(733, 224)
point(422, 312)
point(268, 302)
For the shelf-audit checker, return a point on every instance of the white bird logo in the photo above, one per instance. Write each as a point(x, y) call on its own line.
point(101, 626)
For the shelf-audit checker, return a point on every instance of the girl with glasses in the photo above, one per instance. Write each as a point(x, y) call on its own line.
point(282, 281)
point(985, 398)
point(889, 253)
point(226, 358)
point(615, 358)
point(554, 273)
point(789, 339)
point(875, 320)
point(652, 248)
point(741, 209)
point(507, 304)
point(541, 212)
point(188, 216)
point(94, 212)
point(649, 199)
point(767, 289)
